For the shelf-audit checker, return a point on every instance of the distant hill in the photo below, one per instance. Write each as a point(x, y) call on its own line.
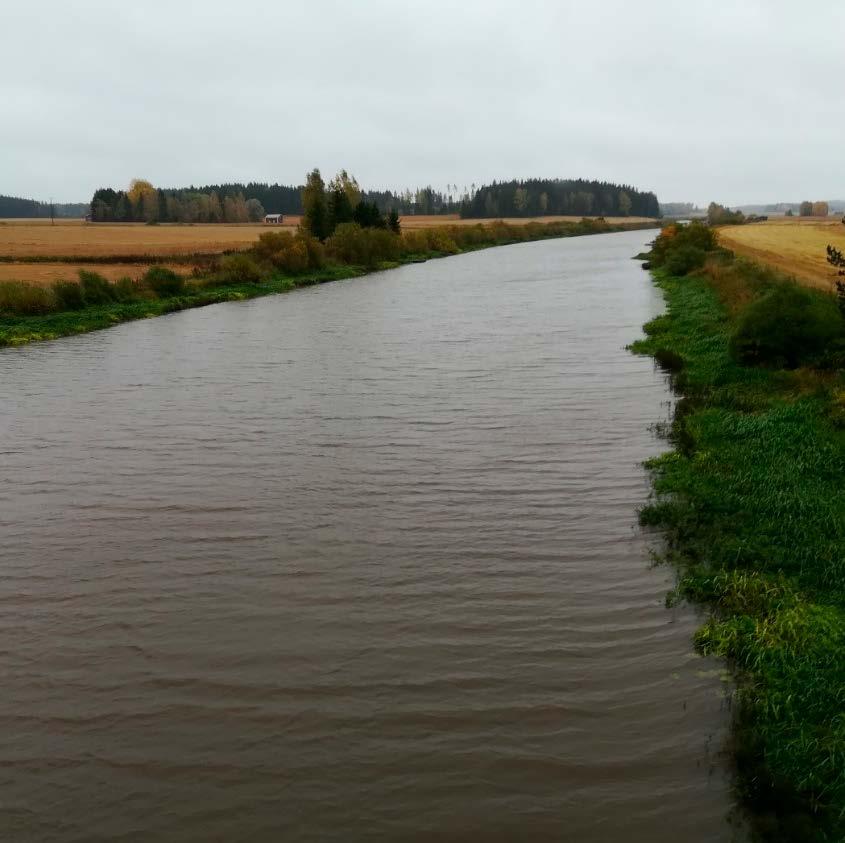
point(13, 207)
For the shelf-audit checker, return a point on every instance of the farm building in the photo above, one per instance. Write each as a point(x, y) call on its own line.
point(274, 219)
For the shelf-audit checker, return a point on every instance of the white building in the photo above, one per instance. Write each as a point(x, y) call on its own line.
point(274, 219)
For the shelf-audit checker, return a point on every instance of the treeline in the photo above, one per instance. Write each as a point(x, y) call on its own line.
point(237, 202)
point(13, 207)
point(541, 197)
point(143, 202)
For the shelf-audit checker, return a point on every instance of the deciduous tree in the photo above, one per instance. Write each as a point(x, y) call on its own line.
point(315, 213)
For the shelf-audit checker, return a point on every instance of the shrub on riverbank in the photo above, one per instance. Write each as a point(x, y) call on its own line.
point(290, 253)
point(239, 269)
point(95, 289)
point(163, 282)
point(68, 295)
point(22, 299)
point(788, 326)
point(351, 244)
point(682, 248)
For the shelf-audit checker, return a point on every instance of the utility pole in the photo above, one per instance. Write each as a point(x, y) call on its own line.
point(52, 212)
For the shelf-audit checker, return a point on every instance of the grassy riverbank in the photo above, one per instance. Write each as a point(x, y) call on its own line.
point(753, 505)
point(279, 262)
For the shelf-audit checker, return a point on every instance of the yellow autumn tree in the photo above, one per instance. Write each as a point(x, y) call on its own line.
point(137, 189)
point(349, 185)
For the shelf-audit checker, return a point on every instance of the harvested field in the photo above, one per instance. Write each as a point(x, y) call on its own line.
point(68, 239)
point(793, 245)
point(44, 274)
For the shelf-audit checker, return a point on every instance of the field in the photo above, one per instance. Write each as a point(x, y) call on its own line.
point(40, 253)
point(794, 245)
point(39, 239)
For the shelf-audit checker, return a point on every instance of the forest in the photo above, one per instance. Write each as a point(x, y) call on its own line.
point(13, 207)
point(236, 202)
point(565, 197)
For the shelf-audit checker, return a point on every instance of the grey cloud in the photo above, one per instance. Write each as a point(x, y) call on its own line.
point(734, 102)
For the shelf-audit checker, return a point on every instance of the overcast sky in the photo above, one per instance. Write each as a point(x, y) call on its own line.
point(737, 102)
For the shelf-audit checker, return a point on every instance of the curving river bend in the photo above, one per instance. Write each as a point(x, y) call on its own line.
point(354, 563)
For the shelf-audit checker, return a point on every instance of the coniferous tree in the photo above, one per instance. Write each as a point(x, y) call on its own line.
point(367, 215)
point(339, 209)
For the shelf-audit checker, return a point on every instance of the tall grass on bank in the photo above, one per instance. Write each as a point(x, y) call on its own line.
point(279, 261)
point(753, 505)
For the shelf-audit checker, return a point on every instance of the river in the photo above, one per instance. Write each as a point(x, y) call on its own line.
point(358, 562)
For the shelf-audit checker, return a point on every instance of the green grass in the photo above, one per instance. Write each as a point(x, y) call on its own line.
point(752, 502)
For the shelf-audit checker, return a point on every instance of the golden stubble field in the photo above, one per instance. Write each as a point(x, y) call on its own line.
point(62, 248)
point(69, 242)
point(793, 245)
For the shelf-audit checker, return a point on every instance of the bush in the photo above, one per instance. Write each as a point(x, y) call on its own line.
point(291, 254)
point(127, 290)
point(348, 244)
point(164, 282)
point(683, 260)
point(95, 288)
point(270, 243)
point(293, 259)
point(680, 238)
point(20, 299)
point(239, 269)
point(316, 250)
point(440, 241)
point(786, 327)
point(363, 246)
point(68, 295)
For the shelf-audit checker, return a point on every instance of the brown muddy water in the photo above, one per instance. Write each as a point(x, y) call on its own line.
point(354, 563)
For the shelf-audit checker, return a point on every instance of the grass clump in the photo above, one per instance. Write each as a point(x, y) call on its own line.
point(95, 289)
point(68, 295)
point(162, 281)
point(239, 269)
point(20, 299)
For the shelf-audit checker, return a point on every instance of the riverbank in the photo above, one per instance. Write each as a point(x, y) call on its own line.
point(351, 258)
point(752, 504)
